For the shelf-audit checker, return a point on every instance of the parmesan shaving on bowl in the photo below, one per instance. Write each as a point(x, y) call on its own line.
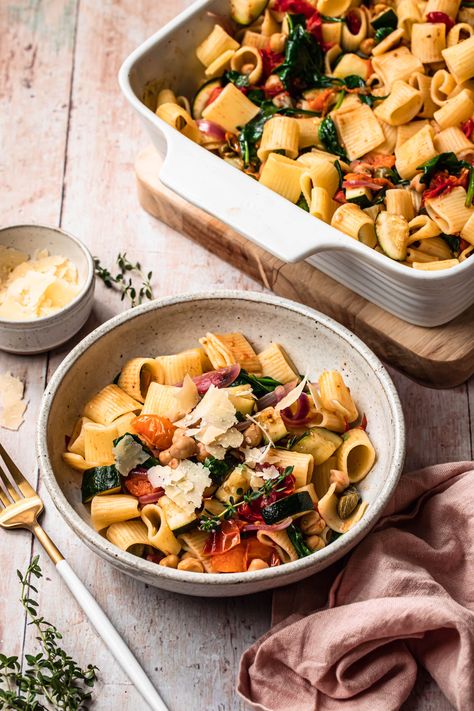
point(35, 287)
point(11, 399)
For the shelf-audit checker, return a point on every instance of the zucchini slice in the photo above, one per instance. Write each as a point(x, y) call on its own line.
point(202, 96)
point(320, 443)
point(177, 519)
point(99, 481)
point(293, 505)
point(244, 12)
point(392, 233)
point(386, 19)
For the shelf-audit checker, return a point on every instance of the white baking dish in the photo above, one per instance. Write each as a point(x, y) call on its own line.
point(422, 298)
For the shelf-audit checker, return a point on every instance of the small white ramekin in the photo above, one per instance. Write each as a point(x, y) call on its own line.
point(44, 334)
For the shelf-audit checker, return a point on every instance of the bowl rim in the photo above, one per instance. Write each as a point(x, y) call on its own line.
point(331, 553)
point(42, 321)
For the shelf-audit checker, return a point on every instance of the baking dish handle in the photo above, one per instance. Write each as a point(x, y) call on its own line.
point(258, 213)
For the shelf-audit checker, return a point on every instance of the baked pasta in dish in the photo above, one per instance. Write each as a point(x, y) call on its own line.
point(221, 460)
point(361, 114)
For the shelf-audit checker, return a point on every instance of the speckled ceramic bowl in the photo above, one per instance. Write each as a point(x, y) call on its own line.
point(44, 334)
point(169, 325)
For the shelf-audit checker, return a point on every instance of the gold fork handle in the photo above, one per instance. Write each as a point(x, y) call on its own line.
point(47, 543)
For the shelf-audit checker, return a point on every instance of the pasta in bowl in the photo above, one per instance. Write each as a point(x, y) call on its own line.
point(226, 467)
point(362, 115)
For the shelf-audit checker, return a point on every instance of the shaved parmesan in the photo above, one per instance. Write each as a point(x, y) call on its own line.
point(36, 287)
point(128, 454)
point(215, 409)
point(256, 455)
point(313, 391)
point(264, 431)
point(13, 405)
point(184, 485)
point(292, 396)
point(187, 395)
point(230, 439)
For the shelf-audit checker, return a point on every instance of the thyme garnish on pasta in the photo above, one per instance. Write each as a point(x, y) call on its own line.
point(211, 523)
point(50, 679)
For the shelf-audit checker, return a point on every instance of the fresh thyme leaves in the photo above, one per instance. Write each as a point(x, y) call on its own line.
point(50, 679)
point(328, 137)
point(219, 468)
point(211, 523)
point(260, 386)
point(123, 281)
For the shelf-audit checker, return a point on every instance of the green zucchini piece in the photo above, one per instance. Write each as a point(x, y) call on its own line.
point(178, 520)
point(386, 19)
point(202, 96)
point(98, 481)
point(244, 12)
point(392, 233)
point(292, 505)
point(320, 443)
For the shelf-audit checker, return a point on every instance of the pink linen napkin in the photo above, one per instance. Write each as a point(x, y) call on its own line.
point(405, 596)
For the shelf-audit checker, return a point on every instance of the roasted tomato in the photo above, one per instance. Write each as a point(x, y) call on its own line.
point(226, 537)
point(138, 485)
point(156, 431)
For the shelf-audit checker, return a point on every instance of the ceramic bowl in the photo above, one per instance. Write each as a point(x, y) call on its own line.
point(314, 341)
point(44, 334)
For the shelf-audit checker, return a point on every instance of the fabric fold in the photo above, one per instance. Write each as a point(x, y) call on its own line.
point(404, 597)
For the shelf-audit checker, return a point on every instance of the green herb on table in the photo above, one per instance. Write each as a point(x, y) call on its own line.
point(50, 679)
point(124, 280)
point(211, 523)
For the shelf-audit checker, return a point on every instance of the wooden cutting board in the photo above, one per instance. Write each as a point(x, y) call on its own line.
point(441, 357)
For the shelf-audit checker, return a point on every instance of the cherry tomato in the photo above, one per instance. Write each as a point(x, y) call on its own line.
point(227, 536)
point(156, 431)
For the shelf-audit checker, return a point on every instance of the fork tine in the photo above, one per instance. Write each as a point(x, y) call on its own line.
point(9, 487)
point(25, 488)
point(4, 498)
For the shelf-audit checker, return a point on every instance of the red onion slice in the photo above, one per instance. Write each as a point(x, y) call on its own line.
point(151, 498)
point(271, 399)
point(220, 378)
point(211, 129)
point(280, 526)
point(300, 417)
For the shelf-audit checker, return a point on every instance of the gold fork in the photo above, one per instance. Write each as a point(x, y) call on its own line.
point(20, 507)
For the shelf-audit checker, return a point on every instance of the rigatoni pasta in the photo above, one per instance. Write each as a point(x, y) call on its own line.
point(214, 486)
point(349, 111)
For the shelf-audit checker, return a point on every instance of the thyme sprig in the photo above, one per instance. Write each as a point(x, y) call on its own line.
point(124, 282)
point(50, 679)
point(211, 523)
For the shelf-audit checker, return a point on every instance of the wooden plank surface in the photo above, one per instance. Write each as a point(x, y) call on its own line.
point(190, 647)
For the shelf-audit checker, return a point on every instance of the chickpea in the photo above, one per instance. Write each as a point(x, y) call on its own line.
point(340, 479)
point(277, 42)
point(312, 523)
point(257, 564)
point(165, 457)
point(183, 448)
point(178, 433)
point(202, 453)
point(170, 561)
point(192, 565)
point(253, 435)
point(274, 83)
point(367, 45)
point(314, 542)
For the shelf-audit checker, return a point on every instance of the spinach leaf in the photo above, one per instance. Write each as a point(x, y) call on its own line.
point(328, 137)
point(302, 203)
point(303, 57)
point(296, 537)
point(452, 241)
point(260, 386)
point(256, 96)
point(381, 33)
point(470, 187)
point(337, 166)
point(219, 468)
point(443, 161)
point(236, 78)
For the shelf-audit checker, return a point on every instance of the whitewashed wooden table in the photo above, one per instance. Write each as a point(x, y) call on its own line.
point(68, 141)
